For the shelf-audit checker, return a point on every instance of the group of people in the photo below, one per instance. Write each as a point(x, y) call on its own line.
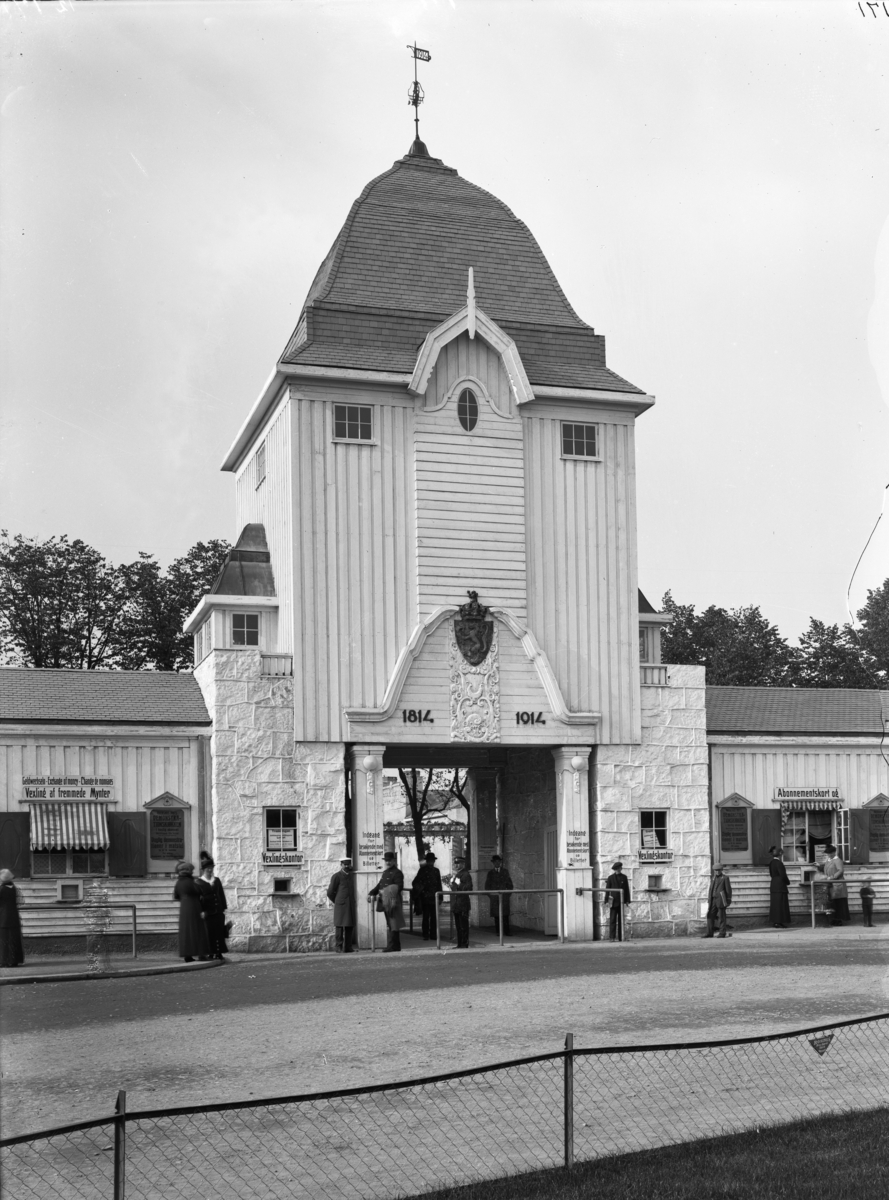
point(203, 930)
point(426, 884)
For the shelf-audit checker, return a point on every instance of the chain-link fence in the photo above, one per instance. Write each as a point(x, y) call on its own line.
point(404, 1139)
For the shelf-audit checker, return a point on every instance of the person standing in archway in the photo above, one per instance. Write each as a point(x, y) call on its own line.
point(499, 880)
point(427, 882)
point(389, 891)
point(461, 881)
point(779, 890)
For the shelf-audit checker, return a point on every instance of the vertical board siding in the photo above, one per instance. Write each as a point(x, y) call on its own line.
point(581, 571)
point(470, 487)
point(754, 772)
point(270, 505)
point(354, 572)
point(140, 771)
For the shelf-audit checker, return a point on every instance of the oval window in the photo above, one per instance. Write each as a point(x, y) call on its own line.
point(467, 410)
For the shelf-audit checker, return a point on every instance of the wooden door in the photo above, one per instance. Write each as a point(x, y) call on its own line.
point(15, 843)
point(128, 848)
point(765, 831)
point(550, 862)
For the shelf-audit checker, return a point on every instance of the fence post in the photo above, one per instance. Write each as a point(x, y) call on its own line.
point(120, 1147)
point(569, 1099)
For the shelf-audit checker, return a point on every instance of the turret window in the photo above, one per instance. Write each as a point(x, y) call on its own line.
point(580, 441)
point(353, 422)
point(245, 629)
point(467, 410)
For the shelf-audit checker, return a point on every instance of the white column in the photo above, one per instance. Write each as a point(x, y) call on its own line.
point(367, 833)
point(574, 869)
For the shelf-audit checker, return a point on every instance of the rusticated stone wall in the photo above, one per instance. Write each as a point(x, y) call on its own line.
point(669, 770)
point(257, 765)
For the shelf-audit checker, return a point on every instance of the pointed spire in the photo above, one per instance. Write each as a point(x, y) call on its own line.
point(470, 304)
point(415, 97)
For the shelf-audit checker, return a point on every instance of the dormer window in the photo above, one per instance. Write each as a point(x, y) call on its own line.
point(467, 410)
point(245, 629)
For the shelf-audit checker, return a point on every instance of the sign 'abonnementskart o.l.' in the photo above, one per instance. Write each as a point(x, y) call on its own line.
point(68, 787)
point(807, 793)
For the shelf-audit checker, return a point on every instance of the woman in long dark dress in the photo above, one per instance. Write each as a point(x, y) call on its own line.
point(193, 942)
point(779, 885)
point(214, 904)
point(12, 953)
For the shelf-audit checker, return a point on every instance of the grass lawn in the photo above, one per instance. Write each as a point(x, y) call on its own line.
point(844, 1157)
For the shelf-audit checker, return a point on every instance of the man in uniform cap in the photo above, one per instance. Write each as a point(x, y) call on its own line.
point(341, 894)
point(389, 890)
point(718, 899)
point(498, 880)
point(427, 882)
point(616, 882)
point(461, 881)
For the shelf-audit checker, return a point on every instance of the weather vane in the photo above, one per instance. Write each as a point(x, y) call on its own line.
point(415, 92)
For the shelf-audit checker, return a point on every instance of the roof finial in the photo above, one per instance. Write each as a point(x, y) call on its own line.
point(415, 97)
point(470, 306)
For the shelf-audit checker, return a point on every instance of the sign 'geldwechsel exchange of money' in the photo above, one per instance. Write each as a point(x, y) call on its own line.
point(68, 787)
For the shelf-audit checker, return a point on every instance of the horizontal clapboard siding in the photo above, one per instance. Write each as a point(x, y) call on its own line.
point(470, 487)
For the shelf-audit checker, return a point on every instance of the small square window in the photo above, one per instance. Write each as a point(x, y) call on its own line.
point(282, 829)
point(281, 885)
point(653, 827)
point(245, 629)
point(260, 464)
point(580, 441)
point(655, 883)
point(353, 422)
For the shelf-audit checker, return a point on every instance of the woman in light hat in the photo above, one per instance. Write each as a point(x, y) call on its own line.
point(193, 941)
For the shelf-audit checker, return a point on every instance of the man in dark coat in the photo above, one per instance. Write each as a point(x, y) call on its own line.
point(617, 882)
point(427, 882)
point(213, 906)
point(718, 899)
point(498, 880)
point(779, 890)
point(341, 893)
point(389, 890)
point(461, 881)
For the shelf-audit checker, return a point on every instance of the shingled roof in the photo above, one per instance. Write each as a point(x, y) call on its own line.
point(826, 711)
point(114, 697)
point(399, 266)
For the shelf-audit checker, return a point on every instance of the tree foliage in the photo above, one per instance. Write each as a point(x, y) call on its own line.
point(430, 792)
point(62, 604)
point(739, 646)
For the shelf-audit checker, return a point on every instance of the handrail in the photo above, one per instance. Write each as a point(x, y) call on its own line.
point(560, 892)
point(57, 904)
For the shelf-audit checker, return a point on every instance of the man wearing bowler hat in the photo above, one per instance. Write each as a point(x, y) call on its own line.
point(616, 882)
point(341, 893)
point(461, 881)
point(389, 890)
point(427, 882)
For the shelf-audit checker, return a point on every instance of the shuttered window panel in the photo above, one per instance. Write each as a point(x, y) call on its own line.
point(74, 826)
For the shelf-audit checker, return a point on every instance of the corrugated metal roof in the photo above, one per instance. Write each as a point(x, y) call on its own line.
point(399, 266)
point(739, 710)
point(115, 697)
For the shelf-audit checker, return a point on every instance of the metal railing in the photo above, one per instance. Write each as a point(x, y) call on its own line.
point(439, 896)
point(525, 1114)
point(85, 908)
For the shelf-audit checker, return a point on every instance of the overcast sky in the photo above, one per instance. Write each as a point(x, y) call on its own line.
point(709, 181)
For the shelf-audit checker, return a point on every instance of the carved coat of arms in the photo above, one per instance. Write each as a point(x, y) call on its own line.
point(472, 631)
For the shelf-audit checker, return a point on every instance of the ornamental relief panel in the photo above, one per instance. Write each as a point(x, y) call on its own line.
point(474, 691)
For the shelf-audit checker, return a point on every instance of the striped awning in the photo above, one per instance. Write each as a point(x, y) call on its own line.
point(809, 805)
point(78, 826)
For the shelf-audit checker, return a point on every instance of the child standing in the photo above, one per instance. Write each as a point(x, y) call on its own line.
point(867, 901)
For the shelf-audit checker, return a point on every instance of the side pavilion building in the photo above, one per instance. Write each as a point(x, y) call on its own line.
point(437, 567)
